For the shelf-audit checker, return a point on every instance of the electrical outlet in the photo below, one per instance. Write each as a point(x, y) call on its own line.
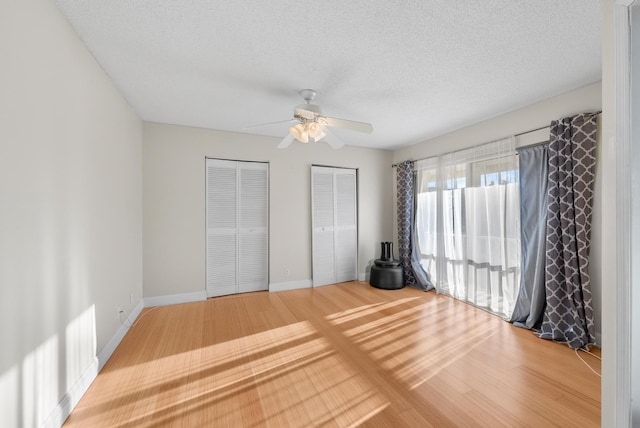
point(287, 272)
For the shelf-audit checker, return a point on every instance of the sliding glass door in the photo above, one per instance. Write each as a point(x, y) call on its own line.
point(468, 225)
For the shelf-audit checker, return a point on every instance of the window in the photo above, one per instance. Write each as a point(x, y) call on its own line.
point(468, 224)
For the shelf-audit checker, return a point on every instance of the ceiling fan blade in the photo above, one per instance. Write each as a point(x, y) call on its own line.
point(349, 124)
point(271, 123)
point(286, 141)
point(332, 140)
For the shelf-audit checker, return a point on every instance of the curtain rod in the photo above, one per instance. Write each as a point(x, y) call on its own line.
point(514, 135)
point(531, 131)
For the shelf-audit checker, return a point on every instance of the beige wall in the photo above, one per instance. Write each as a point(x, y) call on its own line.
point(71, 212)
point(174, 203)
point(588, 98)
point(534, 116)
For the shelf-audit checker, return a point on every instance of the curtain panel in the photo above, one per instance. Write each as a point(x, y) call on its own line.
point(468, 224)
point(404, 196)
point(414, 274)
point(530, 303)
point(568, 316)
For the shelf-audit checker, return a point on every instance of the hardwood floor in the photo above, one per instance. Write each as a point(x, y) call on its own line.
point(340, 355)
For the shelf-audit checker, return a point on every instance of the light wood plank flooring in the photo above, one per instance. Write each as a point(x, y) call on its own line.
point(340, 355)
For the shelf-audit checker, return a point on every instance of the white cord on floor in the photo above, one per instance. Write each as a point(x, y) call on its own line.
point(587, 364)
point(137, 320)
point(581, 359)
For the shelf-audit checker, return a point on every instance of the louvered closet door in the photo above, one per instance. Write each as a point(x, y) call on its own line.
point(253, 235)
point(346, 232)
point(334, 225)
point(323, 202)
point(222, 231)
point(237, 227)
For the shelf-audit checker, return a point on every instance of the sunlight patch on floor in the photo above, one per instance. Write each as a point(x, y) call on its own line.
point(236, 380)
point(414, 362)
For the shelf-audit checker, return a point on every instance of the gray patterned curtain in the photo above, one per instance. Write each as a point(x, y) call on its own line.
point(568, 315)
point(414, 274)
point(404, 183)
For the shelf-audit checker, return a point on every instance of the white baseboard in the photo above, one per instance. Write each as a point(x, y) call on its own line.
point(79, 388)
point(174, 299)
point(364, 276)
point(72, 397)
point(105, 353)
point(290, 285)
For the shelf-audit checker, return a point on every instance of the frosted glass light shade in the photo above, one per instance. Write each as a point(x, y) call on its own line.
point(315, 130)
point(299, 133)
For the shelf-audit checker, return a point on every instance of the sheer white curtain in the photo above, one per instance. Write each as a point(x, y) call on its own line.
point(468, 224)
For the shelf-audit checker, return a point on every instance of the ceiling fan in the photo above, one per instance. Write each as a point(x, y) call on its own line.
point(312, 126)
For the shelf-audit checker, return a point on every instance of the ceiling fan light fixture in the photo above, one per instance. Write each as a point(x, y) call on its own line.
point(320, 136)
point(315, 130)
point(299, 133)
point(312, 126)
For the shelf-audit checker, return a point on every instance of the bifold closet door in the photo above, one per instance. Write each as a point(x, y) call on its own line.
point(237, 227)
point(253, 248)
point(334, 224)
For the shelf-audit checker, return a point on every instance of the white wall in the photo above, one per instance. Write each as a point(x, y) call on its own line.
point(70, 213)
point(174, 203)
point(586, 99)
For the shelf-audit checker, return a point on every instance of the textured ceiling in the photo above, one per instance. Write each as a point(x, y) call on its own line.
point(414, 69)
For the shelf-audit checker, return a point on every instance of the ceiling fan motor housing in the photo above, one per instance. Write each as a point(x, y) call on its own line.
point(300, 111)
point(308, 94)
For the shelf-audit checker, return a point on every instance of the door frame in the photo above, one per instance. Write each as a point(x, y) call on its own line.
point(617, 392)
